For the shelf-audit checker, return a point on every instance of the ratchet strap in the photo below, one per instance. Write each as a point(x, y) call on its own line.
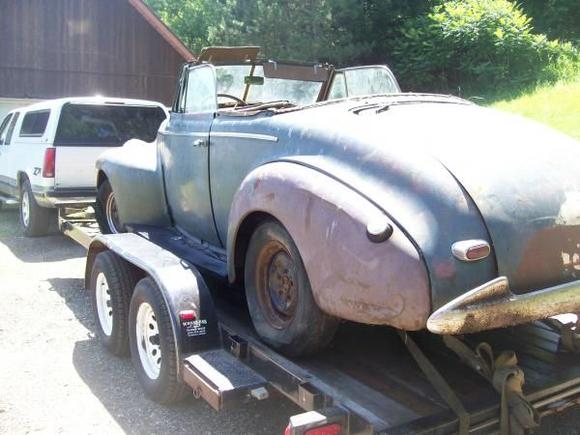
point(438, 382)
point(569, 334)
point(516, 413)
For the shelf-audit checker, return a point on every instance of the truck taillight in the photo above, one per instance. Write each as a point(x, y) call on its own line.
point(49, 160)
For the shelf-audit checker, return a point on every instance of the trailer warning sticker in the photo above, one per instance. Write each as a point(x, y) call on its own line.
point(194, 328)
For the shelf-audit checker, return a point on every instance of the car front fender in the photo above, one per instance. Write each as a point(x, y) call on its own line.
point(352, 277)
point(136, 177)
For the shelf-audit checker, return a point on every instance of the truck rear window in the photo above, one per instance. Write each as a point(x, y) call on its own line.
point(106, 125)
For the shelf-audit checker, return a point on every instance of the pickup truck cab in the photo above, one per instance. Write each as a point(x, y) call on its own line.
point(48, 150)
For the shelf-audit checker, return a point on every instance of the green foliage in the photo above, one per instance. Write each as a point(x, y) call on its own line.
point(558, 19)
point(478, 45)
point(467, 46)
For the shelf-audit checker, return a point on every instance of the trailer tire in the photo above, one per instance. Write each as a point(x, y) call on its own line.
point(279, 295)
point(111, 284)
point(34, 219)
point(106, 210)
point(153, 348)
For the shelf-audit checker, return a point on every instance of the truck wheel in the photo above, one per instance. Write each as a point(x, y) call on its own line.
point(279, 296)
point(35, 220)
point(153, 345)
point(111, 284)
point(106, 210)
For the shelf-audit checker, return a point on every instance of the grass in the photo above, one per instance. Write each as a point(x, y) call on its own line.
point(557, 106)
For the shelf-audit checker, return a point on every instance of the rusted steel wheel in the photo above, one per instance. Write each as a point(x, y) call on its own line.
point(279, 296)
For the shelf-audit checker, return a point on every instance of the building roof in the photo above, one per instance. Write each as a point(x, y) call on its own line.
point(162, 29)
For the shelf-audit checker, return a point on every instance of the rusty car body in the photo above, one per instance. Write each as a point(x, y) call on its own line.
point(410, 210)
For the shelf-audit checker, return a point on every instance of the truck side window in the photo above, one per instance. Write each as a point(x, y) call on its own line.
point(11, 129)
point(201, 95)
point(4, 128)
point(34, 123)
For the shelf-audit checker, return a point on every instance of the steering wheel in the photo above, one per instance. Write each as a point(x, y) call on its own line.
point(232, 97)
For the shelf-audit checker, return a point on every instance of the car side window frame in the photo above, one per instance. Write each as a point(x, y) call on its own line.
point(13, 122)
point(36, 112)
point(4, 127)
point(213, 106)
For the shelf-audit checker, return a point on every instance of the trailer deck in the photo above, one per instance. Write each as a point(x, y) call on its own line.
point(367, 379)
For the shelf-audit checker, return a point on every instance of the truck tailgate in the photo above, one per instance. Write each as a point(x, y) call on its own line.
point(75, 166)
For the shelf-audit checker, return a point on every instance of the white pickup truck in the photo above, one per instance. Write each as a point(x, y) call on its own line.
point(48, 151)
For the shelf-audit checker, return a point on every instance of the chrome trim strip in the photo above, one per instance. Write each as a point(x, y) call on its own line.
point(188, 134)
point(239, 135)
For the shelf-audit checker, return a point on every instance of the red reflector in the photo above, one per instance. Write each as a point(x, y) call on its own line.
point(187, 315)
point(330, 429)
point(477, 252)
point(48, 165)
point(288, 430)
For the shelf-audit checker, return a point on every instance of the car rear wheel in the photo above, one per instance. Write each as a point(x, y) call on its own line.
point(279, 295)
point(34, 220)
point(106, 210)
point(152, 344)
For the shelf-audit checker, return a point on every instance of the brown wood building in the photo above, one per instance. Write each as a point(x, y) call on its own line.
point(61, 48)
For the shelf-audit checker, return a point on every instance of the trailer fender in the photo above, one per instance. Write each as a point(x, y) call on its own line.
point(181, 285)
point(361, 265)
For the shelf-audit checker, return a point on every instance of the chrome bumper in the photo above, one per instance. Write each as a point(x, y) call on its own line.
point(492, 305)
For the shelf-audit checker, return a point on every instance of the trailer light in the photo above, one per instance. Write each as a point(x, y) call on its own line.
point(470, 250)
point(186, 315)
point(48, 165)
point(329, 429)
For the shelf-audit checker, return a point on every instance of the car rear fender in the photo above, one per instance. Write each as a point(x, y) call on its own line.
point(136, 177)
point(352, 277)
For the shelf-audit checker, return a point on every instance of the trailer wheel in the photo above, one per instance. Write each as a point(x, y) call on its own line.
point(279, 295)
point(153, 345)
point(35, 220)
point(111, 285)
point(106, 211)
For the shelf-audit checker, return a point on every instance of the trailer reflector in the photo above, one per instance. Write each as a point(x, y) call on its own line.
point(187, 315)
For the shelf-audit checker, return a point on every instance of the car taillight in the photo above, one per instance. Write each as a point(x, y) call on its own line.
point(49, 160)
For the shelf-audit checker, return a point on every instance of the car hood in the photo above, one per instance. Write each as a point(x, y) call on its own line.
point(523, 177)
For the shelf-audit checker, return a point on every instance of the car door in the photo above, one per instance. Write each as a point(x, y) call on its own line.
point(184, 148)
point(7, 167)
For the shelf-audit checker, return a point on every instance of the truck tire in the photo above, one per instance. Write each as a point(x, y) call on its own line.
point(106, 210)
point(153, 345)
point(279, 295)
point(34, 220)
point(111, 284)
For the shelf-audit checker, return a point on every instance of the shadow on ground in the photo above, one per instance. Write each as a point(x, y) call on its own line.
point(54, 247)
point(113, 381)
point(77, 299)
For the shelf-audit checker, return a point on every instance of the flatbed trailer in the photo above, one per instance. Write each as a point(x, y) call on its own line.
point(370, 379)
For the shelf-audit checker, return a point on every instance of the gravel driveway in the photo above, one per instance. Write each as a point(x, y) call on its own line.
point(56, 378)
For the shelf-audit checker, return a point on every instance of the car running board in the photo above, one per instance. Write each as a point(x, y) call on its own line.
point(222, 380)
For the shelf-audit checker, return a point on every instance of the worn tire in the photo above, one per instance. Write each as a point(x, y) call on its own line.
point(34, 220)
point(120, 280)
point(302, 328)
point(104, 210)
point(166, 388)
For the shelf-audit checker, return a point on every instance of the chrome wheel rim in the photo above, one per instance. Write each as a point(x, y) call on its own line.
point(104, 305)
point(112, 214)
point(25, 208)
point(148, 341)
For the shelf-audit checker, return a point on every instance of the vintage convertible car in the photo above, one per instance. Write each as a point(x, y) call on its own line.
point(329, 194)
